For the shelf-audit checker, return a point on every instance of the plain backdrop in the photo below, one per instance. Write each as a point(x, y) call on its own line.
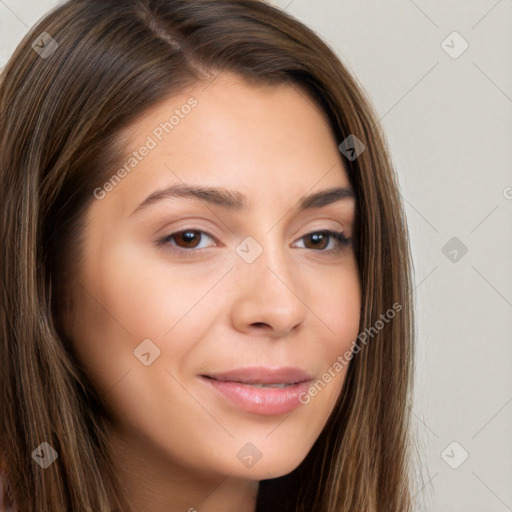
point(446, 110)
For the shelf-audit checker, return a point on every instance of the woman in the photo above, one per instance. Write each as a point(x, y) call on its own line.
point(205, 269)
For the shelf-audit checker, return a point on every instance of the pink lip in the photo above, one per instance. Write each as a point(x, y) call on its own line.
point(236, 386)
point(262, 375)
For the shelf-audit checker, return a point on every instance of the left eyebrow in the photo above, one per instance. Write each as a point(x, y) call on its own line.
point(236, 201)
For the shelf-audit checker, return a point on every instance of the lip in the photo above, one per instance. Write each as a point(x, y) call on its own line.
point(262, 375)
point(238, 386)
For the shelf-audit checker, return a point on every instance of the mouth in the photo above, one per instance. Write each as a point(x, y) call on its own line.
point(263, 376)
point(279, 385)
point(261, 390)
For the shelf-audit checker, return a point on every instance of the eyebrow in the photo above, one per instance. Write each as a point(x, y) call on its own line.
point(236, 201)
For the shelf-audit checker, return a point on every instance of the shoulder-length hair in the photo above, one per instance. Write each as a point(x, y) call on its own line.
point(63, 104)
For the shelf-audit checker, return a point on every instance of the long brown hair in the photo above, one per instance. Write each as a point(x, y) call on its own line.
point(61, 116)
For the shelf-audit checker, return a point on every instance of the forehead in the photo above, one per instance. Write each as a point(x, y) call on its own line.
point(262, 140)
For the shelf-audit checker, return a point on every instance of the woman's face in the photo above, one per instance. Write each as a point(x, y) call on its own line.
point(179, 298)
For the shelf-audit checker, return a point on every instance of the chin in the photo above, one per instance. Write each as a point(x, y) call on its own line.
point(261, 464)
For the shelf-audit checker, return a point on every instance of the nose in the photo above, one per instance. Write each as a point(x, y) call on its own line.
point(269, 298)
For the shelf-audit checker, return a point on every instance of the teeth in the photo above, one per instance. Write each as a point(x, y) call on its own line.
point(270, 385)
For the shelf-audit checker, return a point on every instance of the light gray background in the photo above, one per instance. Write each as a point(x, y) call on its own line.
point(449, 126)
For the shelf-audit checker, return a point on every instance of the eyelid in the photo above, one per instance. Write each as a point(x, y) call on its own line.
point(337, 234)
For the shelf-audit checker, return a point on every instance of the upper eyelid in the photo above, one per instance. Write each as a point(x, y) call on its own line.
point(342, 224)
point(213, 237)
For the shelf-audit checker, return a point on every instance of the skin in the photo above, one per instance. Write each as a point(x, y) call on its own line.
point(175, 441)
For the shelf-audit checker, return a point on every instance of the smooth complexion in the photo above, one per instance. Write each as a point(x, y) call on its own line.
point(175, 438)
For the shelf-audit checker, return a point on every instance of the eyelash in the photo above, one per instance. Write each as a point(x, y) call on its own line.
point(338, 236)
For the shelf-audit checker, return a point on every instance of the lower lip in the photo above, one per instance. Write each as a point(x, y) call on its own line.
point(267, 401)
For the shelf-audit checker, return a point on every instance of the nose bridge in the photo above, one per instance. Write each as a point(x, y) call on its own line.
point(266, 259)
point(269, 289)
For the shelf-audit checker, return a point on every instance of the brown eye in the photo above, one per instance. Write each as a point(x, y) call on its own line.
point(188, 243)
point(188, 239)
point(319, 240)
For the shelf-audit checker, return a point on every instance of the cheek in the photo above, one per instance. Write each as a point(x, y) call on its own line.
point(342, 314)
point(122, 301)
point(337, 308)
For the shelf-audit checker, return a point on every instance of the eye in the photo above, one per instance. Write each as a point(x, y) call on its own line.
point(186, 242)
point(186, 239)
point(318, 239)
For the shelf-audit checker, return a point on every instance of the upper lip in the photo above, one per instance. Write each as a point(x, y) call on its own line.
point(262, 375)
